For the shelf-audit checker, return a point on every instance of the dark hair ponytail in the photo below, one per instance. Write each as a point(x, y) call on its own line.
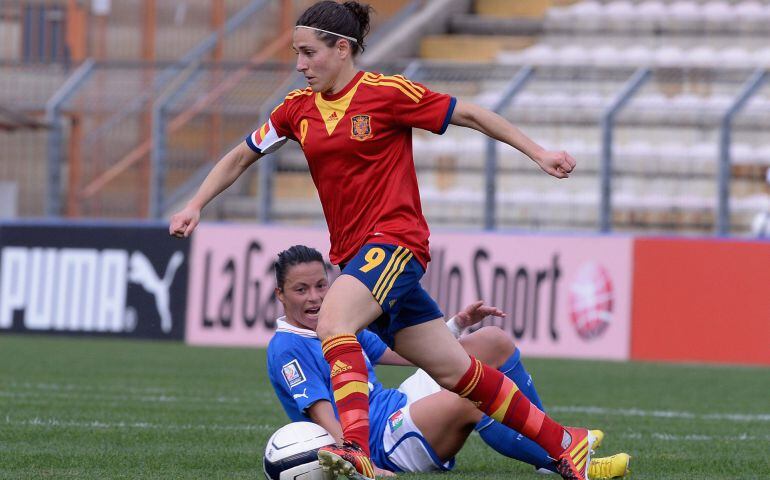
point(294, 256)
point(350, 19)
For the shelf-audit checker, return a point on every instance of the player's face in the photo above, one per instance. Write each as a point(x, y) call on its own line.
point(303, 292)
point(318, 63)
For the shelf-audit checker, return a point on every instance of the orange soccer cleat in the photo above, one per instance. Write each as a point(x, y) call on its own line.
point(348, 460)
point(573, 463)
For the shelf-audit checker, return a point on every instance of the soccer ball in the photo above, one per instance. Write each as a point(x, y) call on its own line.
point(292, 452)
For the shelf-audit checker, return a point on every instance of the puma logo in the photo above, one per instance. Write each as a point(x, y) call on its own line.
point(142, 272)
point(301, 395)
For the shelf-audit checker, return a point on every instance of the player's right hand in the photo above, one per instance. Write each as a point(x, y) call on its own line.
point(184, 222)
point(557, 164)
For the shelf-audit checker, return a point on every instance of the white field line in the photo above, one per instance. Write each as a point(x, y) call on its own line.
point(124, 398)
point(158, 395)
point(73, 387)
point(119, 389)
point(694, 437)
point(98, 424)
point(667, 414)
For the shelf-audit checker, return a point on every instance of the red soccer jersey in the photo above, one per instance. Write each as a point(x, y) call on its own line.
point(358, 145)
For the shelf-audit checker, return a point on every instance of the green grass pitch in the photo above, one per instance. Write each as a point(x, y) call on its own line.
point(95, 409)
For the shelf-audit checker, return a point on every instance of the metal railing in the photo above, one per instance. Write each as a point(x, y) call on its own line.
point(751, 86)
point(510, 87)
point(607, 126)
point(514, 86)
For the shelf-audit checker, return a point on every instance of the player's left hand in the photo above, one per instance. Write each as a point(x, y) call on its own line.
point(557, 164)
point(476, 312)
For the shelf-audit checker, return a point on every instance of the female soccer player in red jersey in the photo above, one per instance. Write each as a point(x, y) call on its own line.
point(355, 130)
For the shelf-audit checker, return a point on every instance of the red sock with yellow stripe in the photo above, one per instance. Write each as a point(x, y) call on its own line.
point(500, 398)
point(350, 382)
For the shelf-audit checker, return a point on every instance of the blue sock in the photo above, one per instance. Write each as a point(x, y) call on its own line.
point(512, 444)
point(509, 442)
point(514, 369)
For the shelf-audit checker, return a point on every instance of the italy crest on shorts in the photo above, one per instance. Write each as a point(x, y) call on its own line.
point(396, 421)
point(361, 128)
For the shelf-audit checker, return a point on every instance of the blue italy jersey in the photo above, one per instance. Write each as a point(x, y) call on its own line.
point(300, 377)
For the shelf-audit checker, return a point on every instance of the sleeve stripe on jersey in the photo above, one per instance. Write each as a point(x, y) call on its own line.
point(384, 83)
point(411, 83)
point(417, 92)
point(398, 83)
point(450, 111)
point(298, 93)
point(406, 84)
point(403, 85)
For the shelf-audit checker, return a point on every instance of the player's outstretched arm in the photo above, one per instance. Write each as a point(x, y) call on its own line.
point(322, 413)
point(556, 163)
point(224, 173)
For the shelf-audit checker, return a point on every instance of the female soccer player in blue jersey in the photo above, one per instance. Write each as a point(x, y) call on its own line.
point(355, 130)
point(417, 428)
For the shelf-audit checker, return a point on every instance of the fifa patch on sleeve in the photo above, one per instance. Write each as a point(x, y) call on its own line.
point(293, 374)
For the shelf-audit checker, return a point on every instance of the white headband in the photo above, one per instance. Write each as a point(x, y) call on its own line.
point(327, 31)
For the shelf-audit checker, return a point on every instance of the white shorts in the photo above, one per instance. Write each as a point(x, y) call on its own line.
point(405, 446)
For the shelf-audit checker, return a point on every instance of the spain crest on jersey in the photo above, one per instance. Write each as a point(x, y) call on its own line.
point(361, 128)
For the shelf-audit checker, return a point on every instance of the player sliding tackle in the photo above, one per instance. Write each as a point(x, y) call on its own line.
point(355, 130)
point(419, 427)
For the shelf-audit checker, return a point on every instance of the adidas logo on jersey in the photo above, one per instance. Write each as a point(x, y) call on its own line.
point(332, 117)
point(339, 367)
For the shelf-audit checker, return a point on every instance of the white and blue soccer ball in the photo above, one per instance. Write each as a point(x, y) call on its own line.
point(292, 452)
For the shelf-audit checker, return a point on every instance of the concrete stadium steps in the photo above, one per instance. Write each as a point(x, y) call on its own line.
point(472, 24)
point(683, 111)
point(471, 48)
point(631, 155)
point(676, 34)
point(653, 17)
point(528, 197)
point(684, 53)
point(518, 8)
point(560, 211)
point(650, 177)
point(495, 26)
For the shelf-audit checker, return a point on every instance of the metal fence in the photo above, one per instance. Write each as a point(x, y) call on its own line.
point(139, 134)
point(647, 143)
point(60, 31)
point(659, 149)
point(113, 106)
point(24, 90)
